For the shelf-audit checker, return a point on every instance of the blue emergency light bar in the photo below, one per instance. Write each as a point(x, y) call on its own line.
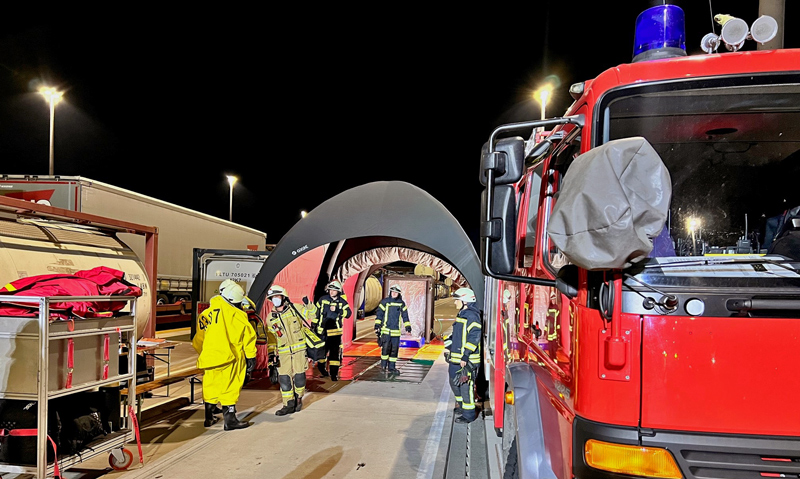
point(660, 33)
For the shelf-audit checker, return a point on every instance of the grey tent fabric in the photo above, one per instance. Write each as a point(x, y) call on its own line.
point(380, 209)
point(613, 200)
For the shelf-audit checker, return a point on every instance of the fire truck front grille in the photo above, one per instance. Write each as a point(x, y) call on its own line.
point(716, 456)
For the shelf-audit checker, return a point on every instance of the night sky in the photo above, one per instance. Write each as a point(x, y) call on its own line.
point(301, 102)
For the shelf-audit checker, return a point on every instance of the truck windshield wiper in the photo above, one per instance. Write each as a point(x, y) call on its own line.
point(782, 263)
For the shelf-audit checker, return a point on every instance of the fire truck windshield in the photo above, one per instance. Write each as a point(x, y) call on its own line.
point(733, 152)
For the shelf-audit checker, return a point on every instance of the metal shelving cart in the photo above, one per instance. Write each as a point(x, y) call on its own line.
point(48, 375)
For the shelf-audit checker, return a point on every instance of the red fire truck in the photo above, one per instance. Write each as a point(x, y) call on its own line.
point(680, 361)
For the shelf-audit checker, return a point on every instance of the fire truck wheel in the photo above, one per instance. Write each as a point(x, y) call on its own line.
point(511, 471)
point(126, 462)
point(162, 299)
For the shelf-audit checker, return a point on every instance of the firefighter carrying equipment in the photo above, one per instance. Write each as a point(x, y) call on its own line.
point(287, 324)
point(224, 340)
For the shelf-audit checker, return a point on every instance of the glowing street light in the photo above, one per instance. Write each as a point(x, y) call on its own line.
point(303, 214)
point(232, 181)
point(52, 96)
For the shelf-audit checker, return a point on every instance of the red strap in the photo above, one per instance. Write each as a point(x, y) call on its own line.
point(106, 346)
point(70, 353)
point(34, 432)
point(136, 429)
point(70, 361)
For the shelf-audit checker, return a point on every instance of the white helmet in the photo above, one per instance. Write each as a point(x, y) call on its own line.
point(395, 289)
point(465, 295)
point(231, 292)
point(276, 290)
point(334, 285)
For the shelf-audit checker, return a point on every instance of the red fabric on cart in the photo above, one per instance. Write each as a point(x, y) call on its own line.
point(100, 281)
point(34, 432)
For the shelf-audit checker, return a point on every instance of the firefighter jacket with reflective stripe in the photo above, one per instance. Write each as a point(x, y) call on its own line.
point(387, 318)
point(332, 311)
point(287, 325)
point(224, 335)
point(464, 342)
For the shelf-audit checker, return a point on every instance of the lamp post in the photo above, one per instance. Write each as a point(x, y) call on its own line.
point(232, 181)
point(52, 96)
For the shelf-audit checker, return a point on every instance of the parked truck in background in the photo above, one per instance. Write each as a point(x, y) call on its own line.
point(180, 229)
point(687, 365)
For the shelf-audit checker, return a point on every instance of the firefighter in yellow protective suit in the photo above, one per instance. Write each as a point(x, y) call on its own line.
point(287, 325)
point(226, 343)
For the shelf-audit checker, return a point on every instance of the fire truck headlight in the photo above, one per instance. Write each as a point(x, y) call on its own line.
point(734, 33)
point(633, 460)
point(764, 29)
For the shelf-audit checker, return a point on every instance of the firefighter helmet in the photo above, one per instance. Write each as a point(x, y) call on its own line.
point(465, 295)
point(395, 289)
point(276, 290)
point(231, 292)
point(334, 285)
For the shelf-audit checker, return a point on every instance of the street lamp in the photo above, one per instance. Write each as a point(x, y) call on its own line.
point(52, 96)
point(303, 214)
point(232, 181)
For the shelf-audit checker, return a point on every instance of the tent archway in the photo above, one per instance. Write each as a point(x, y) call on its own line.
point(366, 262)
point(399, 211)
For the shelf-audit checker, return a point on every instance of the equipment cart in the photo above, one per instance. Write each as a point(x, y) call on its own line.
point(44, 360)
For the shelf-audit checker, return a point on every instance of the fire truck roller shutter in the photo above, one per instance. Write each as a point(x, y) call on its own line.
point(613, 201)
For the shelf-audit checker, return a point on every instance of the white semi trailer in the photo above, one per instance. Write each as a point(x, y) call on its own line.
point(180, 229)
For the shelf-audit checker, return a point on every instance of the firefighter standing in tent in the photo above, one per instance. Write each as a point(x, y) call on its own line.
point(287, 325)
point(333, 309)
point(226, 343)
point(462, 351)
point(387, 327)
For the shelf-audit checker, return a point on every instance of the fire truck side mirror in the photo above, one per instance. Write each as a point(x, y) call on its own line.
point(500, 231)
point(507, 161)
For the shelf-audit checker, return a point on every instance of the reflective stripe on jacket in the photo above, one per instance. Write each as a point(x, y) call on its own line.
point(464, 342)
point(390, 310)
point(331, 313)
point(288, 328)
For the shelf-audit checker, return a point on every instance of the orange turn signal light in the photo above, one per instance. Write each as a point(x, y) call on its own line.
point(510, 398)
point(633, 460)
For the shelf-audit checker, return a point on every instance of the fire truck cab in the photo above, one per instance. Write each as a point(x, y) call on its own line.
point(680, 360)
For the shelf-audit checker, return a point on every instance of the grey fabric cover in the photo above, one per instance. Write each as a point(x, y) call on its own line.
point(613, 200)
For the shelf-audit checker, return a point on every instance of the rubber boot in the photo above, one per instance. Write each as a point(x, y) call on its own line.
point(210, 419)
point(322, 370)
point(217, 410)
point(298, 404)
point(334, 373)
point(231, 422)
point(287, 409)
